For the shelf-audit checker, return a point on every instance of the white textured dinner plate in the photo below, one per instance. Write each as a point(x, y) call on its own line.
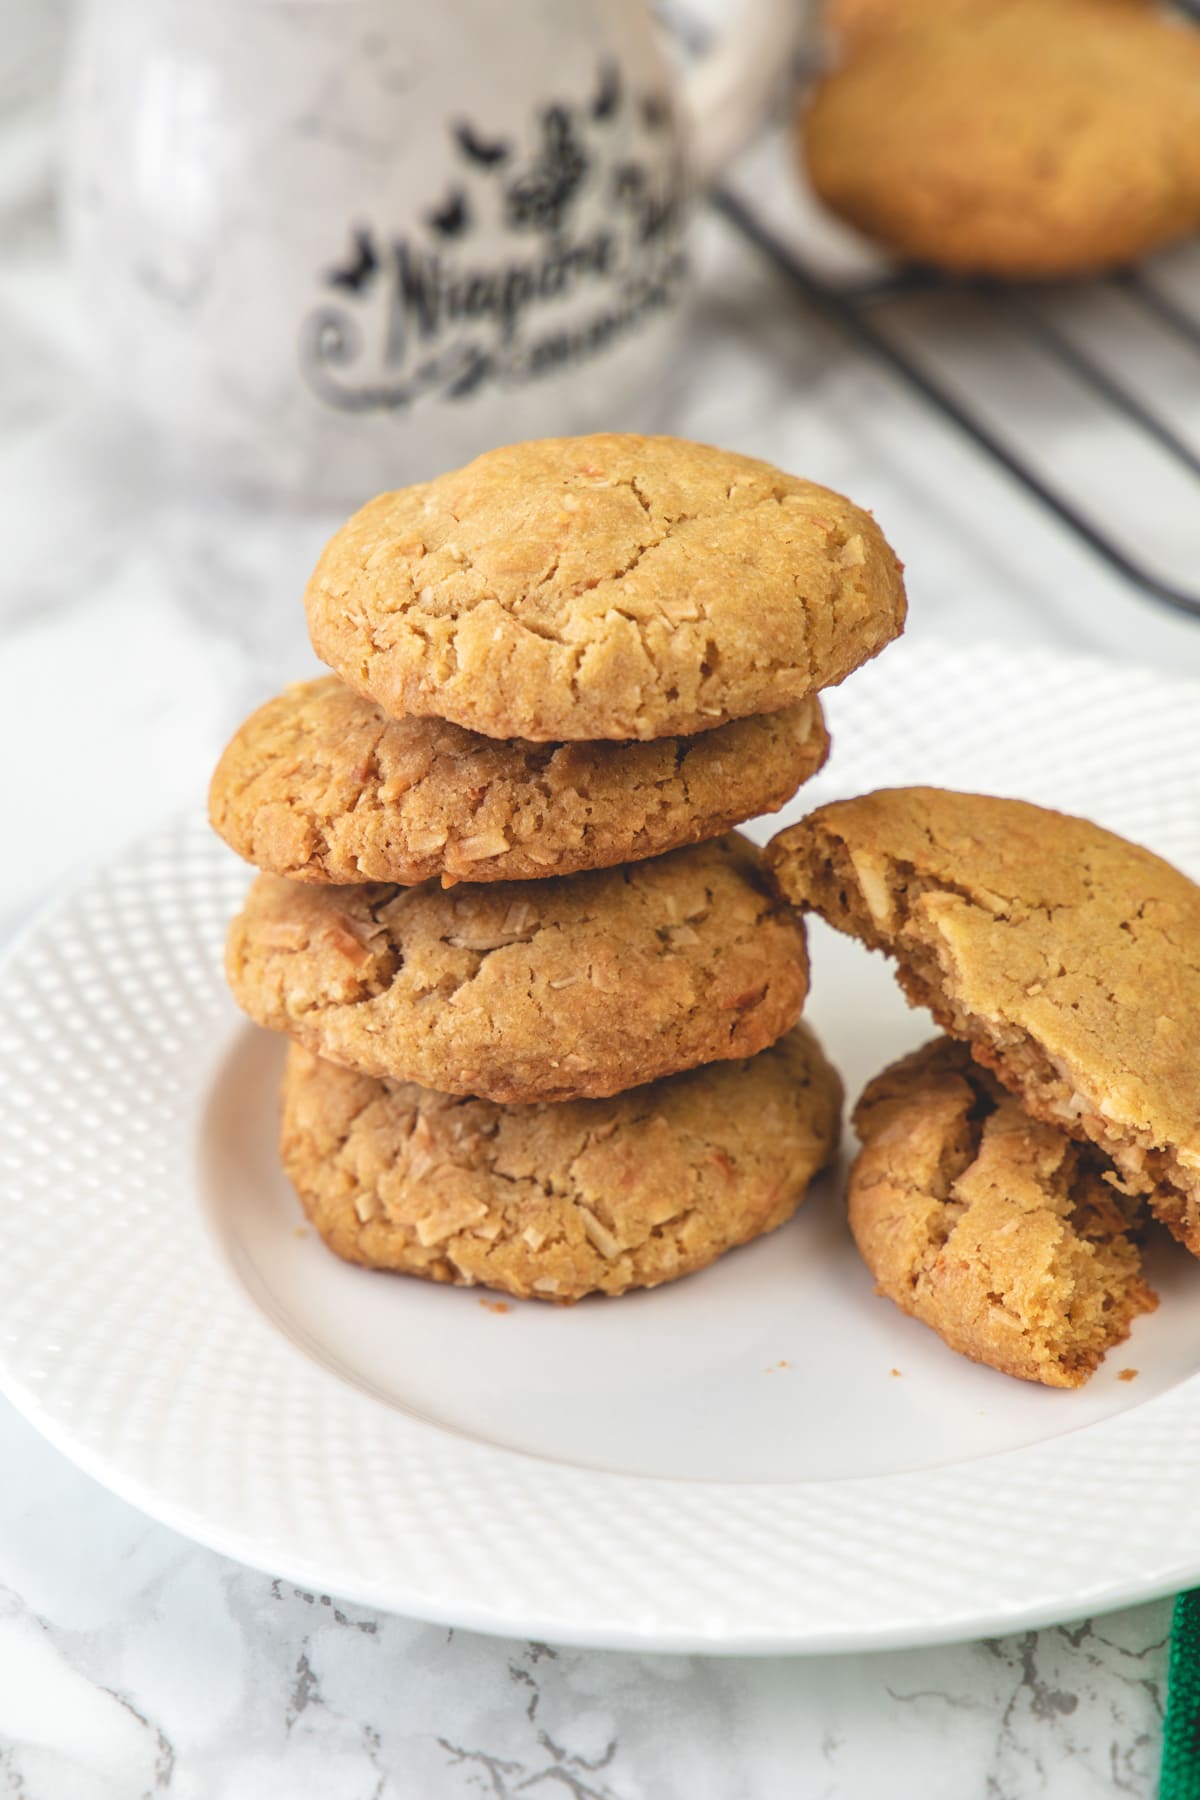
point(762, 1457)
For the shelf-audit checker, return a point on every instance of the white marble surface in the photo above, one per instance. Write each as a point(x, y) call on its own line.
point(138, 621)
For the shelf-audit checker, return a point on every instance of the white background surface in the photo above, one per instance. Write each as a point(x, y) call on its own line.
point(137, 624)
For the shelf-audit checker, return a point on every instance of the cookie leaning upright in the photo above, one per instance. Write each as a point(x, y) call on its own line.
point(603, 587)
point(1068, 958)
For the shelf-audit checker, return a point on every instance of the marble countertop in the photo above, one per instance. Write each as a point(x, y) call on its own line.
point(139, 619)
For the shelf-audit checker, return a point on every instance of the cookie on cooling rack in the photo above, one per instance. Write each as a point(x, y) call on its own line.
point(1023, 139)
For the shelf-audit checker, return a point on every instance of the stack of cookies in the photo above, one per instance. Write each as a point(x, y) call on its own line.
point(543, 1002)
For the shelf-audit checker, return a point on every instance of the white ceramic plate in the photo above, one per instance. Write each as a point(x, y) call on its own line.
point(763, 1457)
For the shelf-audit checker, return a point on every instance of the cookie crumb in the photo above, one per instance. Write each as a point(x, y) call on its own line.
point(300, 1231)
point(495, 1306)
point(895, 1372)
point(1127, 1375)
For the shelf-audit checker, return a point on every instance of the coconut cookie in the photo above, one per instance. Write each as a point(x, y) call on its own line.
point(993, 1229)
point(320, 785)
point(554, 1202)
point(1068, 958)
point(573, 987)
point(603, 587)
point(853, 23)
point(1023, 140)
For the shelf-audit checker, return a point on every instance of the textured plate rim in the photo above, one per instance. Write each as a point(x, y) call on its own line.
point(796, 1532)
point(315, 1578)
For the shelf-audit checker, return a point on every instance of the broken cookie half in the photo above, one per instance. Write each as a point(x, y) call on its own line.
point(994, 1229)
point(1066, 957)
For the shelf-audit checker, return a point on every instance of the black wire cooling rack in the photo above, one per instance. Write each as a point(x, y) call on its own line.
point(1017, 344)
point(1087, 395)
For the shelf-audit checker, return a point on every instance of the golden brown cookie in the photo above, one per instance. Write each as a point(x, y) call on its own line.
point(320, 785)
point(603, 587)
point(574, 987)
point(853, 23)
point(1068, 958)
point(554, 1202)
point(1022, 140)
point(990, 1227)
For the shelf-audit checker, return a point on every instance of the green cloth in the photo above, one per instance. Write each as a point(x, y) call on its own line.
point(1180, 1778)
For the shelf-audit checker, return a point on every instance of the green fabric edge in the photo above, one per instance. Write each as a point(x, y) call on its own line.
point(1180, 1777)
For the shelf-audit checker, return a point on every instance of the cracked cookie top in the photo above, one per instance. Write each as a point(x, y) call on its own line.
point(603, 587)
point(320, 785)
point(578, 986)
point(554, 1202)
point(989, 1226)
point(1067, 957)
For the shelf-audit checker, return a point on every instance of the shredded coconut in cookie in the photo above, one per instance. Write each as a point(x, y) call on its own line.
point(544, 990)
point(603, 587)
point(994, 1229)
point(320, 785)
point(555, 1202)
point(1068, 958)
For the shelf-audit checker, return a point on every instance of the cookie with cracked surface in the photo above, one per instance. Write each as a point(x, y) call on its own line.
point(1068, 958)
point(555, 1202)
point(574, 987)
point(603, 587)
point(320, 785)
point(1023, 140)
point(997, 1231)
